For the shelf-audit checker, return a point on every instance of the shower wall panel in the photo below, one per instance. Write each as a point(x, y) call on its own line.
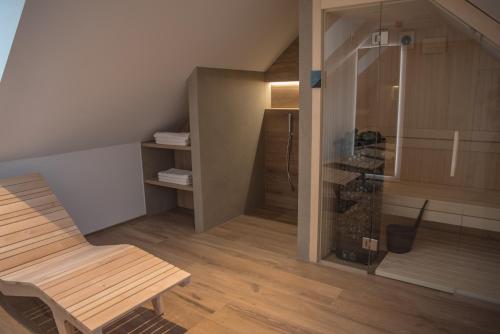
point(278, 192)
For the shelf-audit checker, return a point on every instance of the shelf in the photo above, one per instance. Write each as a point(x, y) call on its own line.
point(283, 109)
point(152, 144)
point(155, 182)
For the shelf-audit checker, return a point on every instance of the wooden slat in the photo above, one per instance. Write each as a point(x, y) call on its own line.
point(25, 224)
point(140, 296)
point(22, 198)
point(68, 275)
point(43, 273)
point(47, 260)
point(77, 282)
point(110, 286)
point(36, 242)
point(20, 179)
point(44, 249)
point(105, 300)
point(18, 188)
point(29, 235)
point(30, 212)
point(31, 203)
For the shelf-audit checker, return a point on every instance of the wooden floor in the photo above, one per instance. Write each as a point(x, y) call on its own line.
point(277, 214)
point(245, 279)
point(451, 262)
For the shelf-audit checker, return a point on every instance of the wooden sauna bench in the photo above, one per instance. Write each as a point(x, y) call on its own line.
point(471, 207)
point(43, 254)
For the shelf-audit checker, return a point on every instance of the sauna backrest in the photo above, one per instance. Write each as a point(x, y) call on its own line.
point(33, 223)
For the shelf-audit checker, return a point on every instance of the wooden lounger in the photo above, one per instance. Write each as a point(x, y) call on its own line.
point(44, 255)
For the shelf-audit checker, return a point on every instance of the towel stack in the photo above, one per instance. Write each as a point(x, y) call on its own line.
point(177, 176)
point(172, 138)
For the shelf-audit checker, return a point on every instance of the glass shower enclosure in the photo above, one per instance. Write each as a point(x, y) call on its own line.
point(411, 118)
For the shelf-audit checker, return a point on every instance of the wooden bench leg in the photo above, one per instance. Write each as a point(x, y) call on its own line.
point(185, 282)
point(63, 327)
point(158, 305)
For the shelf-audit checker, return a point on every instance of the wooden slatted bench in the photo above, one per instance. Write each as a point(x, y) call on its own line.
point(44, 255)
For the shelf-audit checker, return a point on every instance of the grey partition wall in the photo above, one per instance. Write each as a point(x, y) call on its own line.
point(226, 110)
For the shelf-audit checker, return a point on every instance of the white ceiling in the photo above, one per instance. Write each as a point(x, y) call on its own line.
point(93, 73)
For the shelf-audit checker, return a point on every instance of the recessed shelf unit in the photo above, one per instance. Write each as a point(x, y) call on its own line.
point(162, 196)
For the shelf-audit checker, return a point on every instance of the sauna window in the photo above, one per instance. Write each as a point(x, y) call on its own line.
point(10, 13)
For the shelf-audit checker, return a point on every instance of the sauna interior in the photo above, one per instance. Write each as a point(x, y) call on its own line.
point(411, 113)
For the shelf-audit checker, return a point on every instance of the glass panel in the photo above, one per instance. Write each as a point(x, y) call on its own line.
point(411, 118)
point(347, 202)
point(449, 106)
point(479, 272)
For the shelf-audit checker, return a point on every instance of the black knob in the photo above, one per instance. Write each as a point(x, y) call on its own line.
point(406, 40)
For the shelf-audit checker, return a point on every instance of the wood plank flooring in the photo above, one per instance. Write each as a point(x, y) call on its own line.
point(245, 279)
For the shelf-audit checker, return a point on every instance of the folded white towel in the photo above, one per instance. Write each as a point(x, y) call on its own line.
point(173, 135)
point(173, 142)
point(172, 138)
point(175, 175)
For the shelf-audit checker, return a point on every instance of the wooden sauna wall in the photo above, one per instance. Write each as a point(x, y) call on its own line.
point(278, 193)
point(451, 85)
point(285, 96)
point(286, 66)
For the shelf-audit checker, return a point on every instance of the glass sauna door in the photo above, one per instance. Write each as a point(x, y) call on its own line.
point(449, 148)
point(352, 165)
point(479, 248)
point(396, 118)
point(411, 117)
point(434, 119)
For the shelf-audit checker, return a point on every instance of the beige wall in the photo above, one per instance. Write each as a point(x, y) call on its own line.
point(226, 110)
point(305, 129)
point(95, 74)
point(86, 74)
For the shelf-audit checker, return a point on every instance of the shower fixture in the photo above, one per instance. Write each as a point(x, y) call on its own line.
point(289, 150)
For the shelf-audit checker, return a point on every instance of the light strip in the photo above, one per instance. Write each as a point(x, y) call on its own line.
point(285, 83)
point(401, 110)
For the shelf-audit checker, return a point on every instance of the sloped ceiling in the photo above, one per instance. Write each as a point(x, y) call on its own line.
point(491, 7)
point(93, 73)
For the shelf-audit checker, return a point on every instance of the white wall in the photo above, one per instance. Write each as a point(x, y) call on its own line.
point(99, 187)
point(93, 73)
